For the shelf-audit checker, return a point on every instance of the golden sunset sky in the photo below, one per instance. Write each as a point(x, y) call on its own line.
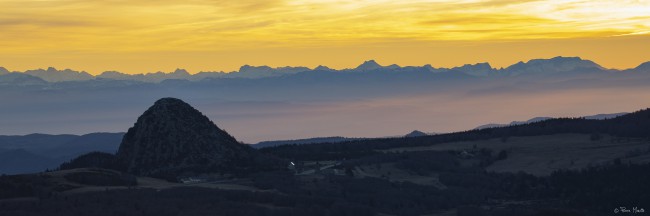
point(137, 36)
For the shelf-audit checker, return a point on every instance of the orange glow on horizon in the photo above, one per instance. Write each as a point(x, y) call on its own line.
point(142, 36)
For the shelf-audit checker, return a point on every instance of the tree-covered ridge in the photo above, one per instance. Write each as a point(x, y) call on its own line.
point(635, 125)
point(171, 138)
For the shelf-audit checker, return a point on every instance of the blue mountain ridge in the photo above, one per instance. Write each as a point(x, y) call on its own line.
point(554, 65)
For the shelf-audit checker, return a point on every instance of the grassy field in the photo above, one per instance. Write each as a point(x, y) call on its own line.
point(541, 155)
point(58, 178)
point(389, 172)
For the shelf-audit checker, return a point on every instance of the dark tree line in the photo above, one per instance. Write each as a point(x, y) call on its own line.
point(259, 163)
point(94, 160)
point(102, 178)
point(591, 191)
point(633, 125)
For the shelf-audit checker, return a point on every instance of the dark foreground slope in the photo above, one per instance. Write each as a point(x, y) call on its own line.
point(468, 191)
point(370, 178)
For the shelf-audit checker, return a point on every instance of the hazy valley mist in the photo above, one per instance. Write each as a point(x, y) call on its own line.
point(368, 101)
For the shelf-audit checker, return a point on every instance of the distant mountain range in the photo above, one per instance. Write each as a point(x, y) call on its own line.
point(539, 119)
point(37, 152)
point(371, 100)
point(564, 65)
point(334, 139)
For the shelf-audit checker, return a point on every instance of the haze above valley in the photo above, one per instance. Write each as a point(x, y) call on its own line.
point(372, 100)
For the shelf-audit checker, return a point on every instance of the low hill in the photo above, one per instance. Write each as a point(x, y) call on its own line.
point(38, 152)
point(173, 137)
point(538, 119)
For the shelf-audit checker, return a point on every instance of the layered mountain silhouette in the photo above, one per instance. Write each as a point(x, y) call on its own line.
point(562, 65)
point(54, 75)
point(539, 119)
point(172, 137)
point(553, 65)
point(368, 66)
point(248, 71)
point(20, 79)
point(18, 161)
point(479, 69)
point(322, 68)
point(642, 68)
point(32, 104)
point(37, 152)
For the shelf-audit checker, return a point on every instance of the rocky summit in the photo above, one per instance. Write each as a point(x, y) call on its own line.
point(172, 138)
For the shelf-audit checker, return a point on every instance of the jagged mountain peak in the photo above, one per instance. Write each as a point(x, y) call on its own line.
point(51, 74)
point(368, 65)
point(21, 79)
point(181, 71)
point(323, 68)
point(106, 73)
point(249, 68)
point(3, 71)
point(552, 65)
point(393, 66)
point(644, 67)
point(478, 69)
